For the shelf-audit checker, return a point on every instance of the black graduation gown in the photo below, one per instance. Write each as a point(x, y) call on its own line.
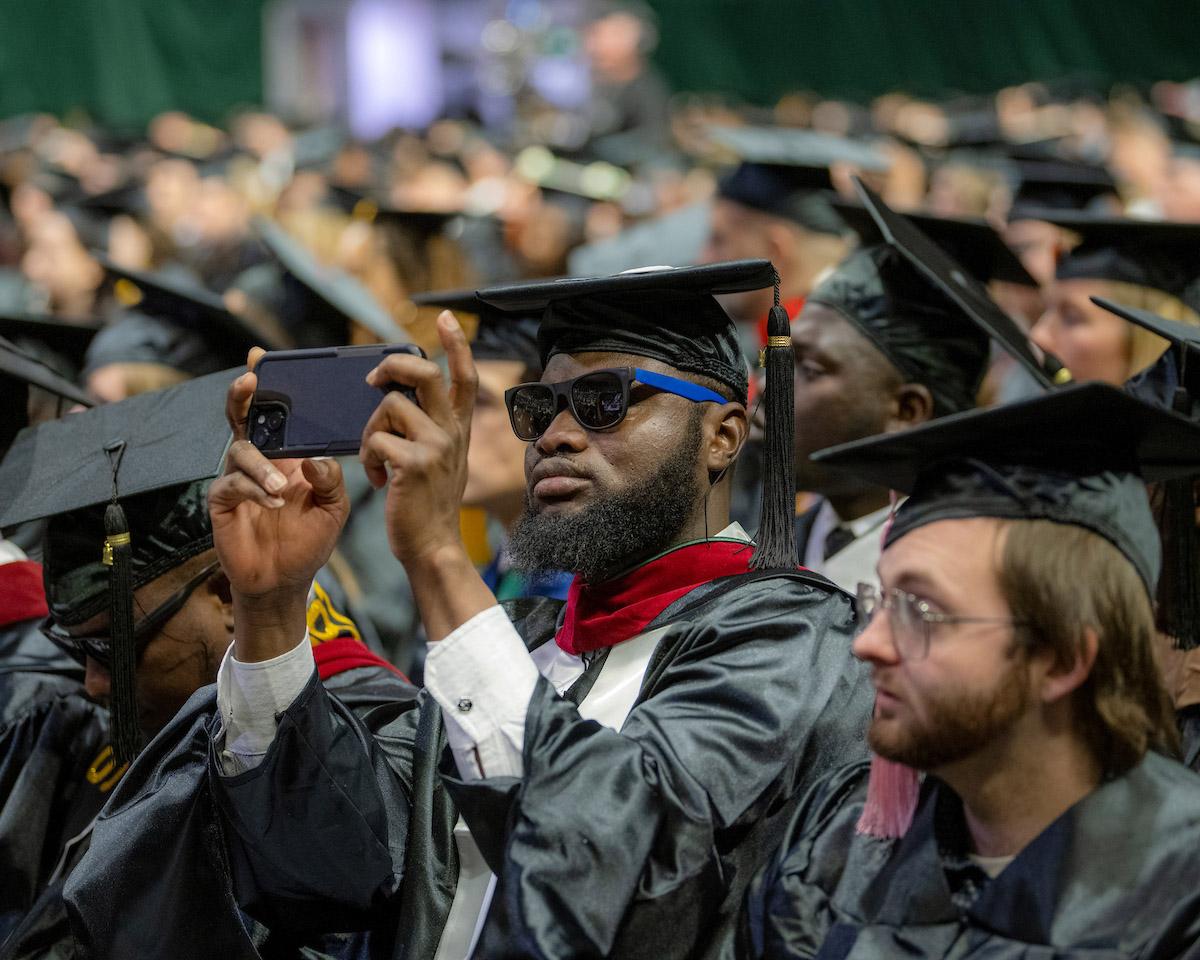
point(1116, 876)
point(638, 842)
point(56, 771)
point(155, 881)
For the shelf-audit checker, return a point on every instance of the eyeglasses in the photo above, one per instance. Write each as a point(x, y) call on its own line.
point(598, 399)
point(910, 618)
point(99, 646)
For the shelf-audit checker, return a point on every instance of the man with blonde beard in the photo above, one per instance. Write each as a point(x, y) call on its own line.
point(1011, 652)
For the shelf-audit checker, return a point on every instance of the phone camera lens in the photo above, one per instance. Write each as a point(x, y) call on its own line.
point(260, 438)
point(275, 420)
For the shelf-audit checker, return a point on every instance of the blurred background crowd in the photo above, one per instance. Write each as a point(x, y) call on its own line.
point(181, 182)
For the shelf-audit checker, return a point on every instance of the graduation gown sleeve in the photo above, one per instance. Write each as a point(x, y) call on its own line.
point(165, 870)
point(639, 842)
point(346, 825)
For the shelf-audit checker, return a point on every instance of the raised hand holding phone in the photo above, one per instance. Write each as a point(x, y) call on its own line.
point(275, 523)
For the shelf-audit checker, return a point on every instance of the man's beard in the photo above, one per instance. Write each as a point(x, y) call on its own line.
point(618, 529)
point(958, 725)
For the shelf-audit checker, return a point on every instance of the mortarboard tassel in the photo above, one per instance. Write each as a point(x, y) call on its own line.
point(892, 793)
point(776, 542)
point(118, 554)
point(1178, 598)
point(893, 789)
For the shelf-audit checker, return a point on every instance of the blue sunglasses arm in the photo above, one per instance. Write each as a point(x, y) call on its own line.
point(682, 388)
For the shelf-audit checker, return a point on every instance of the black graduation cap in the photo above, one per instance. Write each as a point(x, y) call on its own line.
point(320, 300)
point(671, 314)
point(366, 205)
point(20, 370)
point(1078, 456)
point(1185, 136)
point(786, 172)
point(501, 335)
point(171, 437)
point(68, 339)
point(123, 488)
point(359, 204)
point(1158, 382)
point(129, 198)
point(189, 324)
point(1048, 186)
point(676, 239)
point(19, 365)
point(940, 339)
point(39, 351)
point(1173, 383)
point(971, 241)
point(423, 223)
point(1163, 255)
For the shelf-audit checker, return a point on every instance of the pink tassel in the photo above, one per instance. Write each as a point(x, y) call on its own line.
point(892, 793)
point(892, 788)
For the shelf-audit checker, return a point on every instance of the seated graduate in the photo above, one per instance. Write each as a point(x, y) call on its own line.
point(897, 335)
point(42, 701)
point(1149, 265)
point(1011, 648)
point(776, 204)
point(137, 599)
point(622, 762)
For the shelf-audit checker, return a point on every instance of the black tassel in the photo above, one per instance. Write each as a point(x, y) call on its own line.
point(1178, 598)
point(776, 543)
point(1177, 593)
point(122, 698)
point(118, 554)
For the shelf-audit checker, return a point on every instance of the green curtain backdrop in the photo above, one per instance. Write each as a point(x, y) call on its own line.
point(122, 61)
point(856, 49)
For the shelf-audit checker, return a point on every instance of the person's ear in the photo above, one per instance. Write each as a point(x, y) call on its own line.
point(725, 430)
point(912, 403)
point(781, 246)
point(1065, 675)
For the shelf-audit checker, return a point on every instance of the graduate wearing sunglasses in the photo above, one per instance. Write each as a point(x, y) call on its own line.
point(620, 760)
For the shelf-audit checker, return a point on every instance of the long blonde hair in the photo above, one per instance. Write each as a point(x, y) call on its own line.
point(1146, 347)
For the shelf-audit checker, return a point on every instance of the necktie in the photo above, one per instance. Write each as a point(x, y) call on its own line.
point(837, 539)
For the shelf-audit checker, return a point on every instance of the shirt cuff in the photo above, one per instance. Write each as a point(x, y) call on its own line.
point(483, 678)
point(250, 696)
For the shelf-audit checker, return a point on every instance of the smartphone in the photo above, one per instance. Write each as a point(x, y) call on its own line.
point(316, 402)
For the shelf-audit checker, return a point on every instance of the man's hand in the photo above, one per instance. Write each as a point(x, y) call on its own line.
point(424, 446)
point(275, 523)
point(424, 449)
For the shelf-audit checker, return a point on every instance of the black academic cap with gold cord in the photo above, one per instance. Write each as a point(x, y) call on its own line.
point(122, 486)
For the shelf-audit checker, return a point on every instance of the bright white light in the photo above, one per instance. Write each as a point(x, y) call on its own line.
point(394, 65)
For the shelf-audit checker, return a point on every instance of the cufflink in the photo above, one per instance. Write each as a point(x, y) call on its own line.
point(464, 705)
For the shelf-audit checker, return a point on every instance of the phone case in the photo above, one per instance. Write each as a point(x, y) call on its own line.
point(316, 402)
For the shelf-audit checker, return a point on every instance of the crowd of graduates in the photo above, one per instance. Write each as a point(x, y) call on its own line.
point(788, 547)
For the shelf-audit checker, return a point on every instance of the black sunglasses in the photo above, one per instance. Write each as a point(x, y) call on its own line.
point(598, 399)
point(98, 646)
